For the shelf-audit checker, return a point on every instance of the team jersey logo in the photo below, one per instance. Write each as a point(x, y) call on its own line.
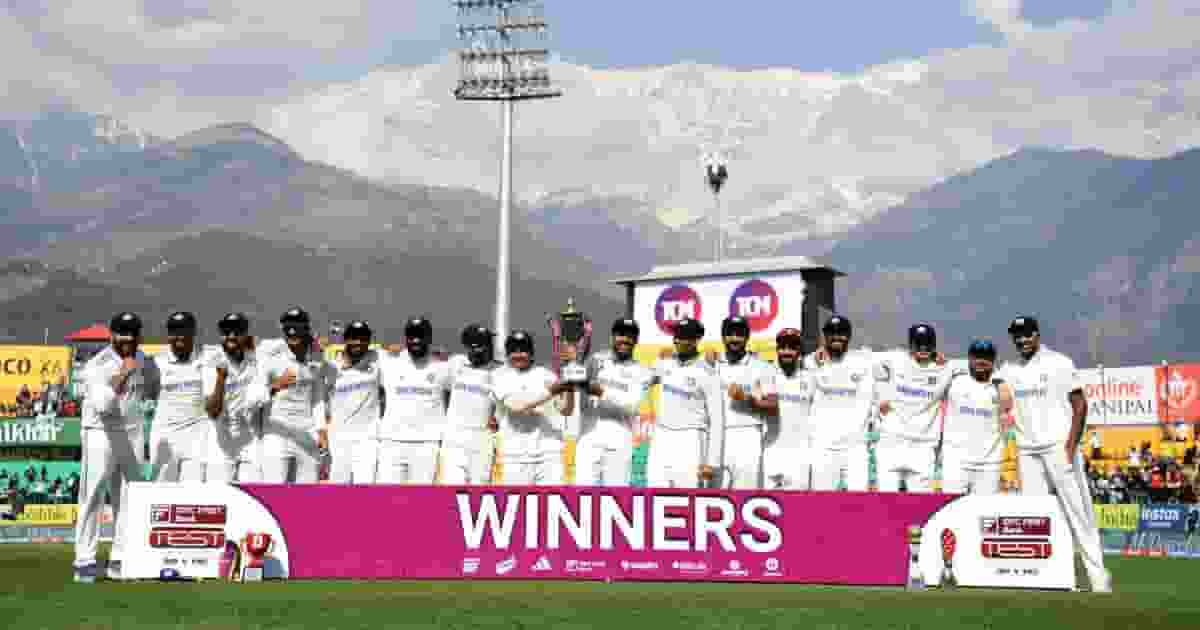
point(757, 302)
point(675, 303)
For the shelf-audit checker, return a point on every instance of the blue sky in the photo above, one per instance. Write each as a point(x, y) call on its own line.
point(844, 36)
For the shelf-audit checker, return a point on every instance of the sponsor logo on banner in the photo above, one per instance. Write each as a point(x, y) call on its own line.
point(1117, 517)
point(757, 302)
point(45, 515)
point(32, 366)
point(639, 565)
point(585, 566)
point(690, 567)
point(542, 565)
point(771, 568)
point(735, 568)
point(1179, 392)
point(219, 531)
point(1019, 545)
point(470, 565)
point(186, 538)
point(1121, 396)
point(188, 514)
point(675, 303)
point(506, 565)
point(1162, 517)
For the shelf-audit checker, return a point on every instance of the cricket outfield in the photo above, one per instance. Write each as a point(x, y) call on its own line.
point(36, 591)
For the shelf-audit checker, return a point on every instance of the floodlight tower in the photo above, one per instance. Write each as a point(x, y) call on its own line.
point(715, 174)
point(503, 58)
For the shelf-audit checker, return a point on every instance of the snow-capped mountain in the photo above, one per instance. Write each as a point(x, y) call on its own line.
point(36, 155)
point(810, 154)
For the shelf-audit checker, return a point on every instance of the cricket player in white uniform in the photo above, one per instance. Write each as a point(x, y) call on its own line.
point(788, 439)
point(741, 373)
point(910, 412)
point(1050, 415)
point(617, 385)
point(355, 403)
point(973, 433)
point(417, 389)
point(235, 395)
point(296, 428)
point(532, 417)
point(180, 432)
point(687, 448)
point(843, 409)
point(468, 452)
point(118, 381)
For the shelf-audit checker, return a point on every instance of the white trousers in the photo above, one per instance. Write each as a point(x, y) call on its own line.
point(960, 476)
point(675, 458)
point(289, 454)
point(743, 465)
point(233, 470)
point(546, 470)
point(841, 469)
point(899, 460)
point(467, 459)
point(179, 454)
point(604, 455)
point(111, 459)
point(413, 463)
point(1049, 472)
point(787, 468)
point(353, 459)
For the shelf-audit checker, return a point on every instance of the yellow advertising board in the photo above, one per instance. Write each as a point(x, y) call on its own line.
point(1122, 517)
point(46, 515)
point(33, 366)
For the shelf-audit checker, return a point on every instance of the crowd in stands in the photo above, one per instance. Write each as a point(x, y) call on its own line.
point(54, 399)
point(1142, 476)
point(35, 487)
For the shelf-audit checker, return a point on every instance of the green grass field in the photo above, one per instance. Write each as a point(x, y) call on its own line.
point(36, 592)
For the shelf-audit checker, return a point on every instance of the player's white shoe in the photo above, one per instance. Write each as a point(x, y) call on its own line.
point(86, 574)
point(114, 571)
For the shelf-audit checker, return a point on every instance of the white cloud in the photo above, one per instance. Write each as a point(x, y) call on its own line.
point(169, 66)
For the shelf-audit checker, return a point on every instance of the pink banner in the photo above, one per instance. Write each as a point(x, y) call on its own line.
point(585, 533)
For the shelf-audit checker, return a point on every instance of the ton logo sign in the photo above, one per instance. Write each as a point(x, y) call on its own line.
point(757, 302)
point(675, 303)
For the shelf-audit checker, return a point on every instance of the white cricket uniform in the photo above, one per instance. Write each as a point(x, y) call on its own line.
point(294, 418)
point(113, 446)
point(689, 426)
point(1042, 414)
point(530, 444)
point(843, 407)
point(467, 450)
point(787, 455)
point(604, 455)
point(355, 406)
point(908, 434)
point(414, 418)
point(972, 437)
point(235, 440)
point(744, 425)
point(180, 432)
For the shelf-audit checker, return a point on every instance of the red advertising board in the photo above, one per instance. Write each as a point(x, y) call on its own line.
point(1178, 388)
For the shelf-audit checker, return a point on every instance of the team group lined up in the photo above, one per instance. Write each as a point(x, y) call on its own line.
point(732, 420)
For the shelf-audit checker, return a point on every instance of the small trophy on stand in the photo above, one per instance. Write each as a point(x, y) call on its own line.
point(949, 544)
point(571, 330)
point(916, 579)
point(255, 548)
